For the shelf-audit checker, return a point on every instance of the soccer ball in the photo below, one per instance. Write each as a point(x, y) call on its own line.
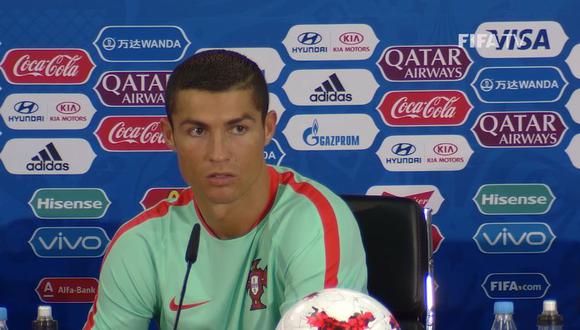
point(343, 309)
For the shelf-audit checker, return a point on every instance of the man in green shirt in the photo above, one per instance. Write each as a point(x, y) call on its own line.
point(269, 236)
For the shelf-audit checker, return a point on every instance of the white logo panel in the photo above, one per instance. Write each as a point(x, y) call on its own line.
point(320, 42)
point(573, 106)
point(267, 59)
point(401, 153)
point(331, 132)
point(573, 61)
point(276, 106)
point(522, 39)
point(47, 111)
point(47, 156)
point(331, 87)
point(573, 151)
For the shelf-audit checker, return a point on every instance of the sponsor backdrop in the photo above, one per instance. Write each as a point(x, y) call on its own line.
point(471, 108)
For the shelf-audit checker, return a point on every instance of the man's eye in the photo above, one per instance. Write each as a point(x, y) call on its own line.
point(196, 131)
point(239, 129)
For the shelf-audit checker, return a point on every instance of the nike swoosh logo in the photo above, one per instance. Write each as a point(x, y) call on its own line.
point(173, 306)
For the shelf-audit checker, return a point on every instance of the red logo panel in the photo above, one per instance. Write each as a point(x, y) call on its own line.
point(47, 66)
point(67, 289)
point(425, 108)
point(131, 133)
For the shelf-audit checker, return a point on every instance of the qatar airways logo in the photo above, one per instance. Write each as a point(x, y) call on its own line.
point(424, 108)
point(131, 133)
point(46, 66)
point(132, 88)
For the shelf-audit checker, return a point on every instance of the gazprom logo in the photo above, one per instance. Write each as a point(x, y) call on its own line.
point(310, 134)
point(26, 107)
point(309, 38)
point(403, 149)
point(514, 237)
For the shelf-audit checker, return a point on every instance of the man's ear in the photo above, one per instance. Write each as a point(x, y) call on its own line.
point(270, 126)
point(168, 133)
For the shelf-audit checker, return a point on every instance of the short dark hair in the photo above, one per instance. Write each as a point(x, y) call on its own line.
point(218, 70)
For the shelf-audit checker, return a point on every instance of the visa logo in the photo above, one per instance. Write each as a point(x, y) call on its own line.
point(521, 39)
point(504, 238)
point(69, 242)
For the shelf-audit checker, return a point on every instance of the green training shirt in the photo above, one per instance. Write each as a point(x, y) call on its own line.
point(306, 240)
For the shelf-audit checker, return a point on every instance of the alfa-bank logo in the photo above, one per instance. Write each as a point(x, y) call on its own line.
point(47, 66)
point(131, 133)
point(424, 63)
point(67, 289)
point(47, 111)
point(141, 43)
point(518, 39)
point(425, 108)
point(132, 88)
point(321, 42)
point(267, 59)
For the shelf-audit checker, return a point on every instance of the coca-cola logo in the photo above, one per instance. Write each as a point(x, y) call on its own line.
point(47, 66)
point(445, 149)
point(351, 38)
point(131, 133)
point(425, 108)
point(132, 88)
point(424, 63)
point(68, 108)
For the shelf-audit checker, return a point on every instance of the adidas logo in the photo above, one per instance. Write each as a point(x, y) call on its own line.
point(331, 90)
point(47, 159)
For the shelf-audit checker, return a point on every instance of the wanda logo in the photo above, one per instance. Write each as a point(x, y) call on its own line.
point(425, 108)
point(47, 66)
point(131, 133)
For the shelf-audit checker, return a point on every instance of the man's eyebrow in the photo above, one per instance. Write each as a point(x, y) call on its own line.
point(193, 122)
point(240, 119)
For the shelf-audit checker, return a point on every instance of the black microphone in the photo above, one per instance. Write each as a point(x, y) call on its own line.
point(190, 258)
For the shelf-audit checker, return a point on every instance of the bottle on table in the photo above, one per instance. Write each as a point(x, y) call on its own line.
point(3, 318)
point(504, 316)
point(44, 320)
point(550, 319)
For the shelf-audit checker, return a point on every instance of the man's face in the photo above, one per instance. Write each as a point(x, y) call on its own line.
point(219, 139)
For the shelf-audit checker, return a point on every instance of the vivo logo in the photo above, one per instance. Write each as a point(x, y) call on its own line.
point(403, 149)
point(445, 149)
point(309, 38)
point(504, 238)
point(68, 108)
point(69, 242)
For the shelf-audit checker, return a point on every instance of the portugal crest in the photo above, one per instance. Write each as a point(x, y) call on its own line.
point(257, 281)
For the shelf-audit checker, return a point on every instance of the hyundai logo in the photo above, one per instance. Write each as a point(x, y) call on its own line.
point(403, 149)
point(26, 107)
point(309, 38)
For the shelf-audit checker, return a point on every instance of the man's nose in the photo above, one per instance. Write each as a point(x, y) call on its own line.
point(218, 147)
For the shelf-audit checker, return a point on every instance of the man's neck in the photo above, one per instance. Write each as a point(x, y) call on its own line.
point(228, 221)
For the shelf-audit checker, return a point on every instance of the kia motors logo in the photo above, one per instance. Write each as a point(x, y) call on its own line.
point(26, 107)
point(69, 242)
point(445, 149)
point(309, 38)
point(424, 108)
point(68, 108)
point(351, 38)
point(47, 66)
point(131, 133)
point(67, 289)
point(403, 149)
point(514, 237)
point(424, 63)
